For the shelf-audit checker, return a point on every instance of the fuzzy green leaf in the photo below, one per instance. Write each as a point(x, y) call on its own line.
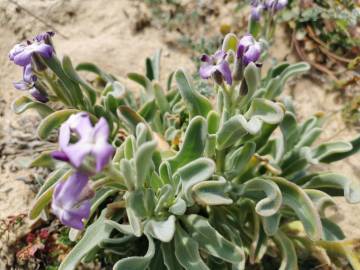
point(288, 252)
point(137, 262)
point(93, 236)
point(24, 103)
point(196, 103)
point(212, 241)
point(162, 230)
point(187, 251)
point(194, 172)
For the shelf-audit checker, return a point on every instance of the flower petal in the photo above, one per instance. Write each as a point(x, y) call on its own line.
point(252, 54)
point(21, 85)
point(101, 130)
point(59, 155)
point(206, 70)
point(77, 152)
point(23, 58)
point(225, 71)
point(103, 153)
point(18, 48)
point(28, 76)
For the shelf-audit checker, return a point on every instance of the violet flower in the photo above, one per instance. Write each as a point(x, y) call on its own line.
point(29, 84)
point(256, 11)
point(216, 66)
point(45, 36)
point(248, 49)
point(91, 141)
point(71, 200)
point(275, 5)
point(21, 53)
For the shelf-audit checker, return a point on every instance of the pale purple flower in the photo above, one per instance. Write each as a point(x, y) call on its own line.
point(216, 66)
point(275, 5)
point(92, 141)
point(29, 84)
point(248, 49)
point(71, 200)
point(45, 36)
point(256, 11)
point(21, 53)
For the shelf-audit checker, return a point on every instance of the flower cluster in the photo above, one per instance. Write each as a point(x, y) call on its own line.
point(269, 5)
point(71, 198)
point(217, 66)
point(22, 54)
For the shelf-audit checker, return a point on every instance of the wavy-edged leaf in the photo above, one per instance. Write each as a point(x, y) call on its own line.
point(260, 111)
point(212, 241)
point(324, 150)
point(52, 121)
point(170, 260)
point(266, 110)
point(335, 184)
point(72, 74)
point(211, 192)
point(193, 145)
point(162, 230)
point(293, 70)
point(196, 103)
point(338, 156)
point(160, 98)
point(131, 118)
point(234, 128)
point(24, 103)
point(187, 251)
point(251, 82)
point(93, 236)
point(143, 81)
point(90, 67)
point(288, 252)
point(321, 200)
point(194, 172)
point(236, 161)
point(44, 160)
point(296, 198)
point(141, 202)
point(267, 206)
point(143, 162)
point(137, 262)
point(331, 231)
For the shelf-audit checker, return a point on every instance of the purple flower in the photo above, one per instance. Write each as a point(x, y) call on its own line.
point(256, 11)
point(275, 5)
point(29, 84)
point(21, 54)
point(91, 141)
point(217, 66)
point(71, 200)
point(45, 36)
point(248, 50)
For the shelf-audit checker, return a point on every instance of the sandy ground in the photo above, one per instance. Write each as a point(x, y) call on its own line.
point(102, 32)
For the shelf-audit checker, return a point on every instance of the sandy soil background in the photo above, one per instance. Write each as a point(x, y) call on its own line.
point(102, 31)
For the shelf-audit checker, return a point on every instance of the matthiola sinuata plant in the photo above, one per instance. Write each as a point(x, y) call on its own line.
point(170, 179)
